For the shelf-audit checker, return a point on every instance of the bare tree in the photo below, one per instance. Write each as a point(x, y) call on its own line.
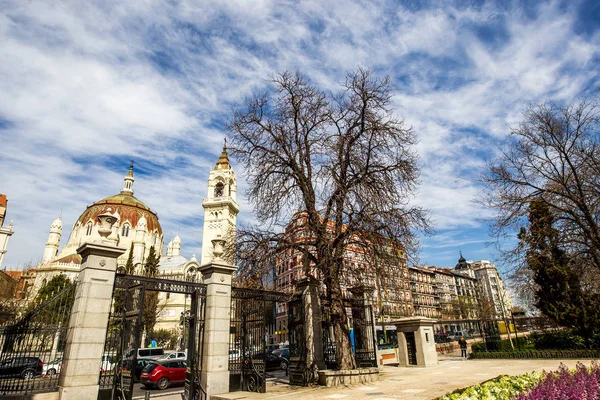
point(553, 156)
point(342, 160)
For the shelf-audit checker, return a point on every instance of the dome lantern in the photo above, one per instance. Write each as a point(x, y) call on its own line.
point(128, 181)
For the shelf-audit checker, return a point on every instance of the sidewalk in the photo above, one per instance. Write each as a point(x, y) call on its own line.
point(406, 383)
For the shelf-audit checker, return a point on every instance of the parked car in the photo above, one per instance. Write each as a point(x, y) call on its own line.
point(272, 360)
point(53, 367)
point(234, 354)
point(175, 354)
point(140, 364)
point(108, 361)
point(161, 374)
point(24, 367)
point(283, 352)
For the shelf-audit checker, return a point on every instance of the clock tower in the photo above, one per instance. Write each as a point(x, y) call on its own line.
point(220, 208)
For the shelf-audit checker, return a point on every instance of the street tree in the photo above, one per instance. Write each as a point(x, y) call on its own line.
point(551, 157)
point(564, 291)
point(345, 163)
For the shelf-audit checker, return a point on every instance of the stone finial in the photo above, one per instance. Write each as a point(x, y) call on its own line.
point(107, 220)
point(218, 248)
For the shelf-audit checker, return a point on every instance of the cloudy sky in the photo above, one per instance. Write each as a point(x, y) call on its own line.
point(87, 86)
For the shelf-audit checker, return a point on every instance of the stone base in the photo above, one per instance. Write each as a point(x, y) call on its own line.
point(33, 396)
point(78, 392)
point(332, 378)
point(215, 382)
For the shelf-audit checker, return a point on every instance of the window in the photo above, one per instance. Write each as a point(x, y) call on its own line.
point(88, 231)
point(219, 189)
point(125, 230)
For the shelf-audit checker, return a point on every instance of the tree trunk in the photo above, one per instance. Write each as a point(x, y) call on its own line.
point(343, 346)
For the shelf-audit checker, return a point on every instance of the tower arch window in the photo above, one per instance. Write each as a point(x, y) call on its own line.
point(125, 230)
point(219, 189)
point(88, 231)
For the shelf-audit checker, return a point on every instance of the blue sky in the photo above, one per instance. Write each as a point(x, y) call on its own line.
point(87, 86)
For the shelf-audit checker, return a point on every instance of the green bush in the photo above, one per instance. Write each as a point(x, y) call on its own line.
point(529, 354)
point(557, 340)
point(498, 345)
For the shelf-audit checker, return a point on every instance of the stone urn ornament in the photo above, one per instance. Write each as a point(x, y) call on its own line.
point(218, 248)
point(107, 220)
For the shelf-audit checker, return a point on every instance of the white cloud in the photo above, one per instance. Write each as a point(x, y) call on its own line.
point(81, 84)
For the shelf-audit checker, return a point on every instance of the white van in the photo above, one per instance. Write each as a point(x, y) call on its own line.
point(150, 352)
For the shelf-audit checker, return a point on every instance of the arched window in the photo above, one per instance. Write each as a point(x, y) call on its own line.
point(190, 276)
point(125, 230)
point(219, 189)
point(88, 231)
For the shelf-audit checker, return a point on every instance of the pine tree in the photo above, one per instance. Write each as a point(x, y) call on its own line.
point(561, 292)
point(129, 267)
point(151, 265)
point(151, 297)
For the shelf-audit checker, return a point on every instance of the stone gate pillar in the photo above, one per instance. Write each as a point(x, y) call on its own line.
point(313, 331)
point(80, 369)
point(217, 320)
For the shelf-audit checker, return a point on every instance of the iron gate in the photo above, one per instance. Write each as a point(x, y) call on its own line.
point(248, 337)
point(31, 349)
point(120, 359)
point(362, 328)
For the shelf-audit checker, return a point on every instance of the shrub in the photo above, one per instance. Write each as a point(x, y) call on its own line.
point(498, 345)
point(583, 383)
point(164, 338)
point(528, 354)
point(557, 340)
point(501, 388)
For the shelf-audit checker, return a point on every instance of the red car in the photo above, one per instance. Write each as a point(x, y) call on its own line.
point(162, 373)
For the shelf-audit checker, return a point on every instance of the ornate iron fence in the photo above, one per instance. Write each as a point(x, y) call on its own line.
point(247, 337)
point(31, 350)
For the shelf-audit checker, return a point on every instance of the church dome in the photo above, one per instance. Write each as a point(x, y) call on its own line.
point(130, 210)
point(126, 205)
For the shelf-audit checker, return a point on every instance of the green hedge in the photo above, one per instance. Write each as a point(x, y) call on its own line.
point(498, 345)
point(537, 354)
point(557, 340)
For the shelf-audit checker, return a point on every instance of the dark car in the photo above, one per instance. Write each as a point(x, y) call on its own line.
point(282, 352)
point(163, 373)
point(23, 367)
point(141, 363)
point(273, 360)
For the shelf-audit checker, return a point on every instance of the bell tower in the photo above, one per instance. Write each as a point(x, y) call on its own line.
point(220, 207)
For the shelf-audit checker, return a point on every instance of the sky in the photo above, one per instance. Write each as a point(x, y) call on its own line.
point(87, 86)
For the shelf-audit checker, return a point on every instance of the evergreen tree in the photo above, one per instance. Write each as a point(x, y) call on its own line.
point(151, 265)
point(129, 267)
point(59, 310)
point(561, 292)
point(149, 314)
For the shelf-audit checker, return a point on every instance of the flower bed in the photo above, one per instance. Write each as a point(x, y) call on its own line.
point(537, 354)
point(503, 387)
point(580, 383)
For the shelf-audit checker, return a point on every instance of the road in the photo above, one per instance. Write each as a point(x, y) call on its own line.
point(139, 391)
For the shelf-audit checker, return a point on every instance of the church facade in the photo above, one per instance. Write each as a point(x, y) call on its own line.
point(138, 229)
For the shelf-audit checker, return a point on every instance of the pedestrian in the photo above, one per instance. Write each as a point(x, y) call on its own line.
point(463, 347)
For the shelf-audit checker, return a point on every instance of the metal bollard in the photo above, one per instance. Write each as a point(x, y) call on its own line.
point(147, 395)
